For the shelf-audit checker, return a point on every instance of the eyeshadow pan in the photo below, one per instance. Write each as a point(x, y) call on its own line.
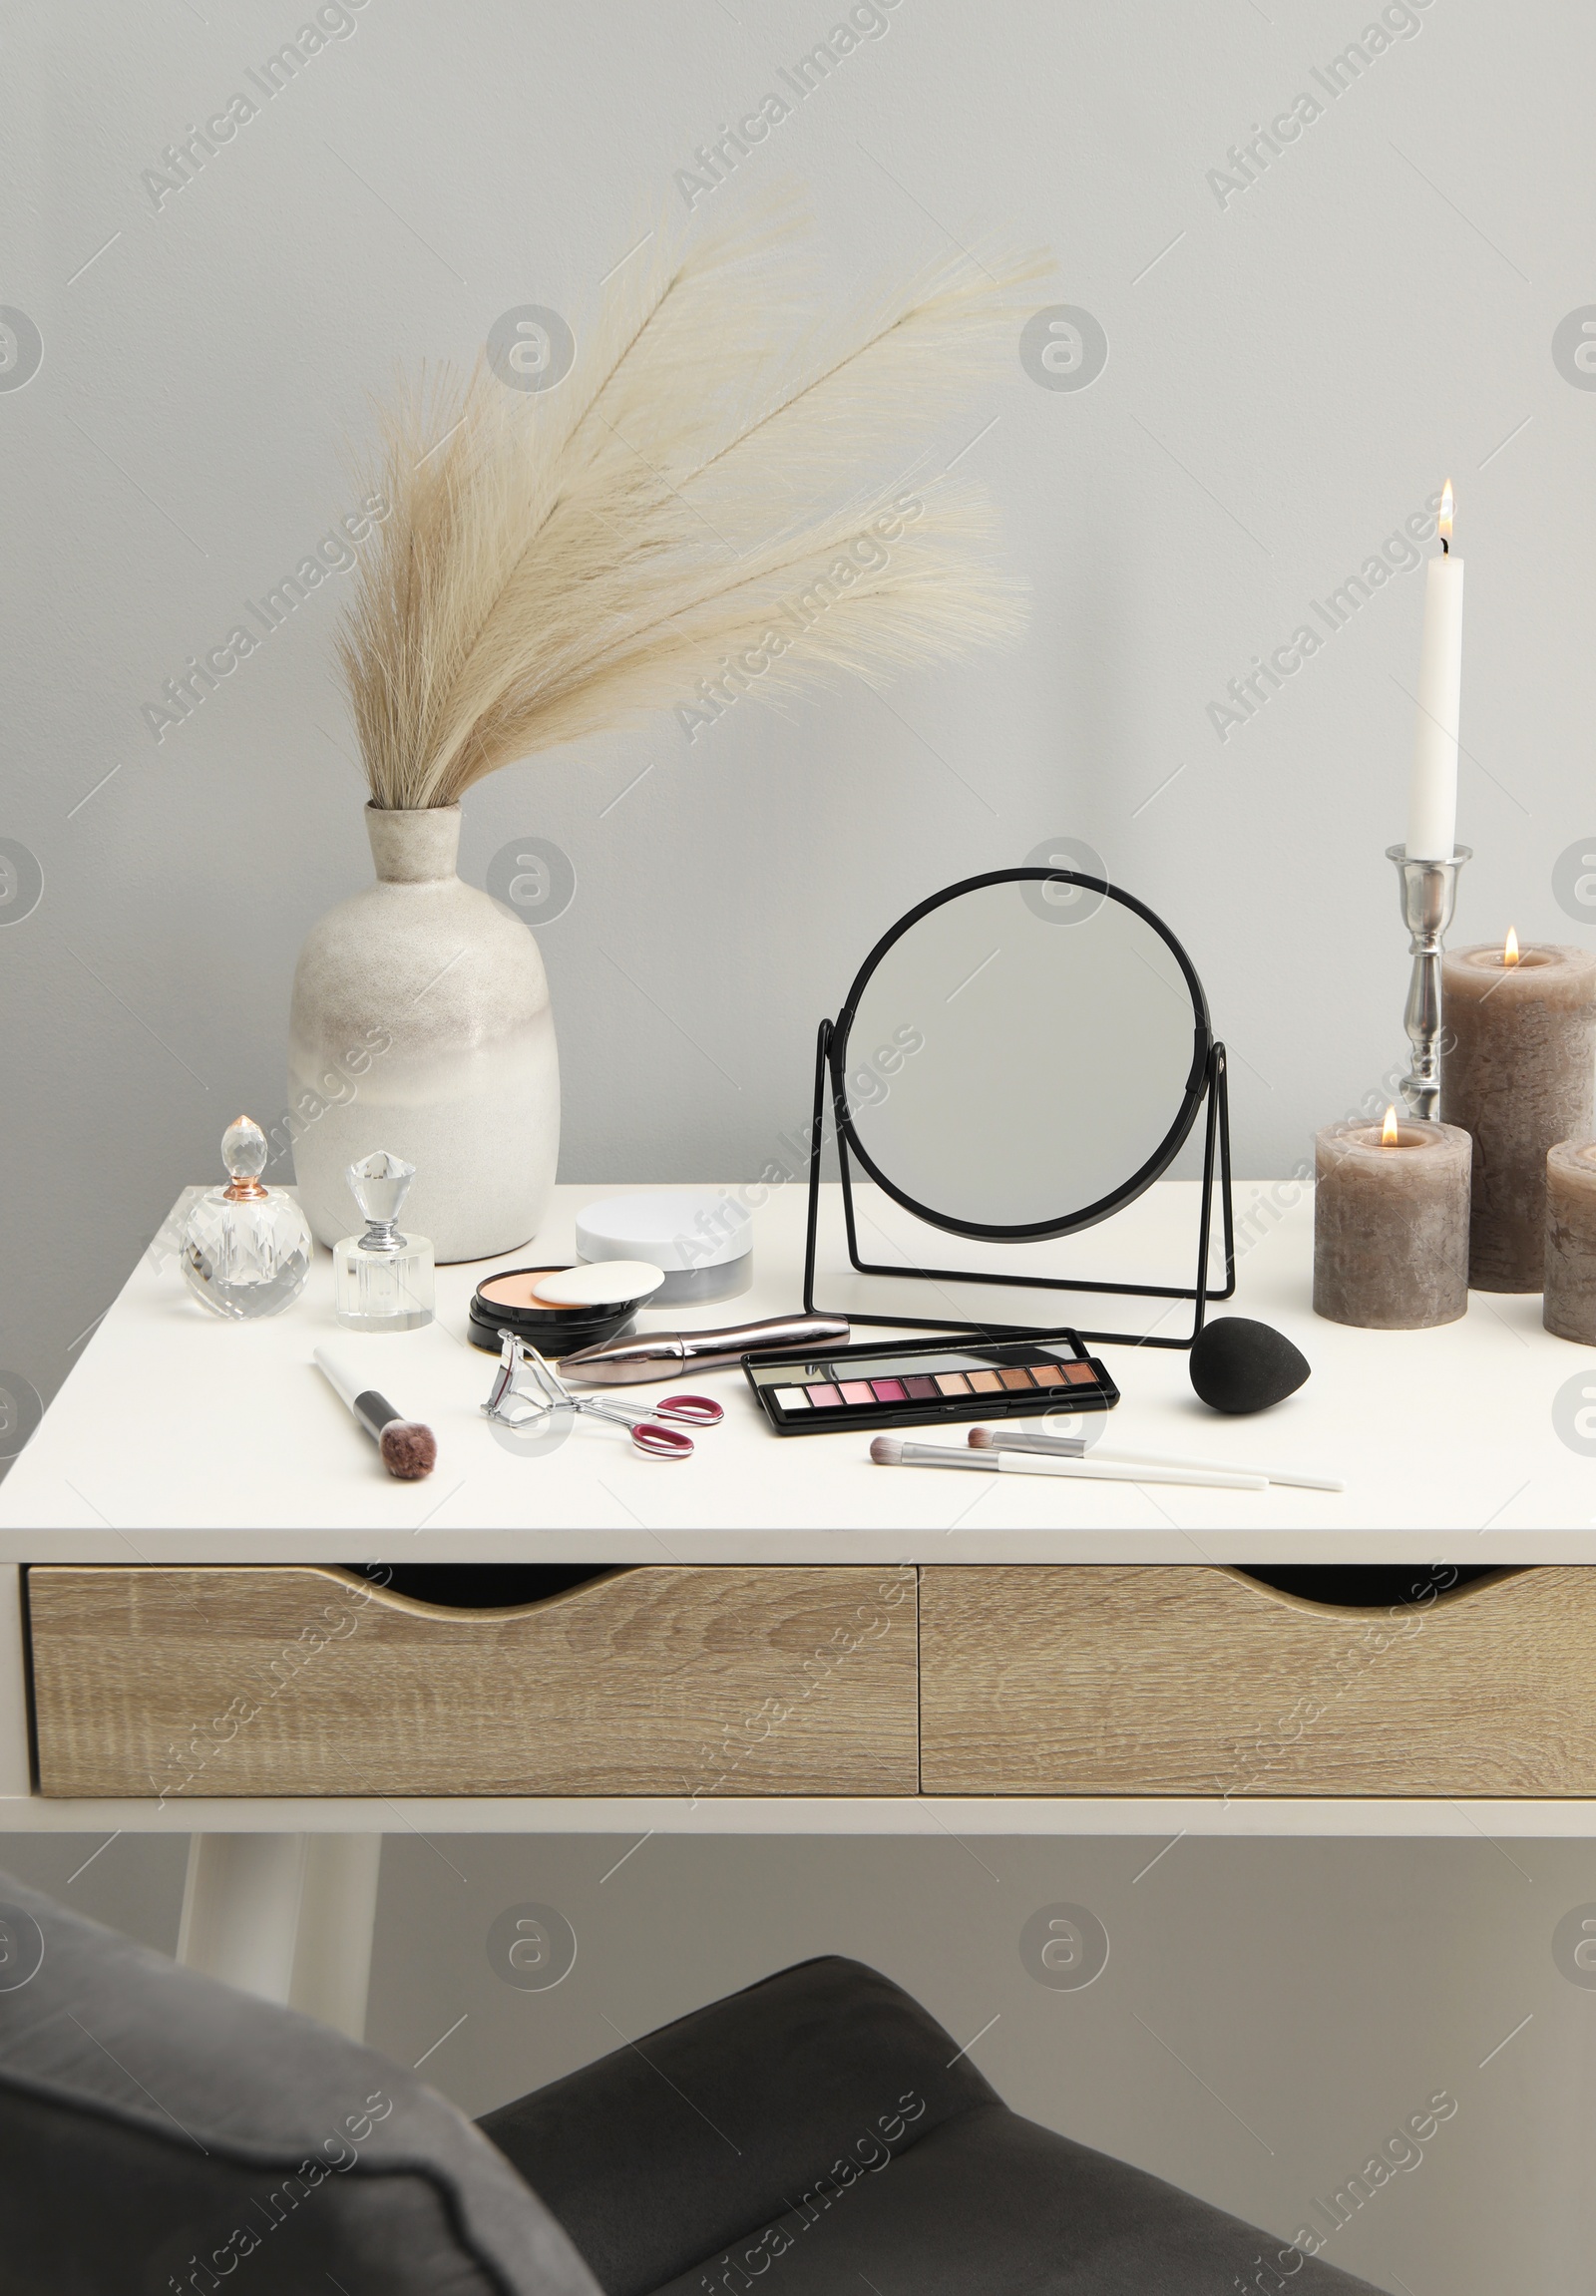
point(1047, 1374)
point(986, 1382)
point(856, 1391)
point(793, 1398)
point(922, 1387)
point(888, 1390)
point(1080, 1374)
point(952, 1384)
point(1016, 1376)
point(824, 1398)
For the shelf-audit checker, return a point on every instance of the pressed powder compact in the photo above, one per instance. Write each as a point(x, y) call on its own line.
point(513, 1302)
point(913, 1384)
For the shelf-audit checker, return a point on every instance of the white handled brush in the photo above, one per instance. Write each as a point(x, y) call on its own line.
point(890, 1451)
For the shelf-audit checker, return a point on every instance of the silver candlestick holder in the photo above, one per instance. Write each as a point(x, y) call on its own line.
point(1429, 895)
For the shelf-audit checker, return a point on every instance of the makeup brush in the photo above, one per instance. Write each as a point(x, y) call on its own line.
point(409, 1449)
point(1076, 1447)
point(891, 1451)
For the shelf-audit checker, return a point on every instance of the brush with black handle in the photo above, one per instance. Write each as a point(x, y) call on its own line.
point(409, 1449)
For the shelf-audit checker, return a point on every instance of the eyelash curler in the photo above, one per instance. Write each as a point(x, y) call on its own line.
point(513, 1406)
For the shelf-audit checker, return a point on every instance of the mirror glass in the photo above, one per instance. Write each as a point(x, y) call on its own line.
point(1018, 1056)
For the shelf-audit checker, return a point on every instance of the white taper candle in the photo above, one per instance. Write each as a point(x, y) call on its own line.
point(1433, 792)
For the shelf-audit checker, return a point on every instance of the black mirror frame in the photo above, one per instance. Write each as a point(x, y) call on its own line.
point(1156, 1164)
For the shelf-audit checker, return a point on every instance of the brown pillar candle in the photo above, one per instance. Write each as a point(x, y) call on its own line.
point(1390, 1224)
point(1570, 1309)
point(1518, 1073)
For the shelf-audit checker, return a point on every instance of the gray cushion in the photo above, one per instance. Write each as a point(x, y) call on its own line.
point(158, 2128)
point(822, 2124)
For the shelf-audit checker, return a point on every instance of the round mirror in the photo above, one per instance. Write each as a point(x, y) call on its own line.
point(1022, 1054)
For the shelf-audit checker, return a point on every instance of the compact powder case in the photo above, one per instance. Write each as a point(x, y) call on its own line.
point(911, 1384)
point(504, 1303)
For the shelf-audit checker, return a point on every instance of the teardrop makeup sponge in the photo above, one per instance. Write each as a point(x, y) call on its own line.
point(1238, 1366)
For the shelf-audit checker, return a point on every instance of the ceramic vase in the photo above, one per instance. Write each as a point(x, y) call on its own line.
point(420, 1024)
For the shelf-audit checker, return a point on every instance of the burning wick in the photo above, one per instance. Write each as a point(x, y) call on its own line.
point(1390, 1131)
point(1444, 522)
point(1511, 947)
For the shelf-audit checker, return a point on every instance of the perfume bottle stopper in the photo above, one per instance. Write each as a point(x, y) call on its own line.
point(379, 1185)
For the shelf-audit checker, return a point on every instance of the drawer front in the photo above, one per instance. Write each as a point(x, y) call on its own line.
point(1076, 1679)
point(156, 1682)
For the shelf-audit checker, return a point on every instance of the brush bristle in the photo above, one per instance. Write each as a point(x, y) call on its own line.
point(887, 1450)
point(409, 1450)
point(980, 1439)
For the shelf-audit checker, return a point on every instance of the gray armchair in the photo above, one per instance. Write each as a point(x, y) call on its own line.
point(161, 2133)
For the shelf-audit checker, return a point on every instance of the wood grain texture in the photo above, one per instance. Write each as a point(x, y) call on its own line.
point(1101, 1680)
point(298, 1680)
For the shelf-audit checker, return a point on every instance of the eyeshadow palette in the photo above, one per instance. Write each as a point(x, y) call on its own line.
point(908, 1383)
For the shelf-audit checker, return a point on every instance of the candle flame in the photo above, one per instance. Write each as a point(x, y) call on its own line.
point(1444, 524)
point(1511, 947)
point(1389, 1132)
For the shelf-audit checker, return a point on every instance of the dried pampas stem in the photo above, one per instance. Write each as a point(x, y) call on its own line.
point(682, 516)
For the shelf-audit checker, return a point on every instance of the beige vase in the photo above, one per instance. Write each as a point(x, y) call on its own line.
point(420, 1023)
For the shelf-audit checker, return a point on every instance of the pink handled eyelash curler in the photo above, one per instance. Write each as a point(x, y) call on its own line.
point(516, 1406)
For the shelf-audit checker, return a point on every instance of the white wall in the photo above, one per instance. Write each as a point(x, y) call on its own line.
point(1289, 376)
point(1270, 2015)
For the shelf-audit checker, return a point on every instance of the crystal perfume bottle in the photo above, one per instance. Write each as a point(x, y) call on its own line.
point(382, 1280)
point(246, 1248)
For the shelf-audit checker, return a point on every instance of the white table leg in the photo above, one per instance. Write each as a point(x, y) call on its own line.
point(287, 1916)
point(240, 1909)
point(338, 1915)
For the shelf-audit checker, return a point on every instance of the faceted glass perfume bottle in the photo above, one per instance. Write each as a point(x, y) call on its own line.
point(246, 1248)
point(382, 1280)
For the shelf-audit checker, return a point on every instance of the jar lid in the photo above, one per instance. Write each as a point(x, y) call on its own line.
point(675, 1229)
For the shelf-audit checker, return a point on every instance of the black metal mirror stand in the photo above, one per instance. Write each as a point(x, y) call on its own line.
point(1216, 1164)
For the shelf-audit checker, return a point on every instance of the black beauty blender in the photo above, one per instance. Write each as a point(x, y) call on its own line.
point(1238, 1366)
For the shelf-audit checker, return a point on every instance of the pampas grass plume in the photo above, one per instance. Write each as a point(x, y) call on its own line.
point(557, 562)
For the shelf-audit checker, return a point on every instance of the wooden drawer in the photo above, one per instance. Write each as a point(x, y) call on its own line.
point(1077, 1680)
point(307, 1681)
